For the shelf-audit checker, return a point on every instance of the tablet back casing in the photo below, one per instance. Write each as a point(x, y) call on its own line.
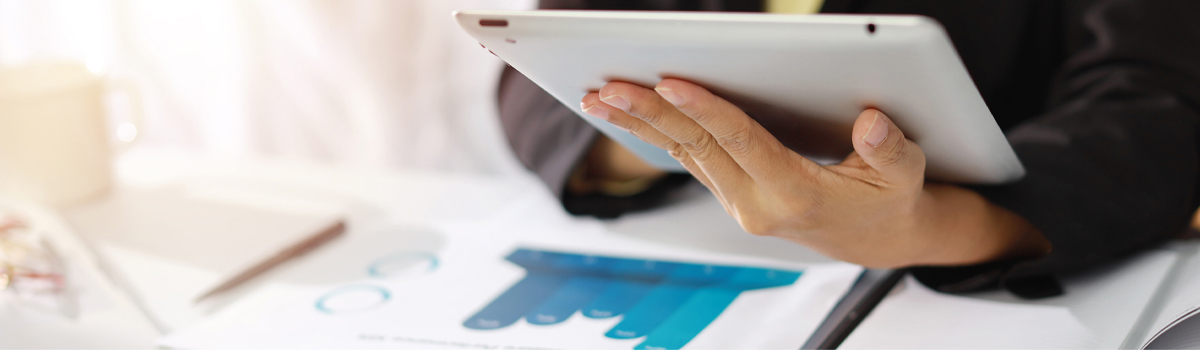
point(805, 78)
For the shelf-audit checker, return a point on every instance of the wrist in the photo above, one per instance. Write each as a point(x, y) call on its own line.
point(961, 227)
point(610, 161)
point(611, 169)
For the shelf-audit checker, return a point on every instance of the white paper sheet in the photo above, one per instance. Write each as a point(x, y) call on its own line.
point(916, 317)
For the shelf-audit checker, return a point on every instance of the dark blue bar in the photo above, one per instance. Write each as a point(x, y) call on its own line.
point(589, 265)
point(641, 270)
point(539, 284)
point(573, 296)
point(632, 280)
point(617, 298)
point(517, 301)
point(535, 260)
point(590, 279)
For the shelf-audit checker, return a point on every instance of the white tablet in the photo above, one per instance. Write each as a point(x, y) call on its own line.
point(804, 77)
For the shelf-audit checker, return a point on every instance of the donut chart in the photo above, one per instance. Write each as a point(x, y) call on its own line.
point(353, 298)
point(362, 297)
point(403, 264)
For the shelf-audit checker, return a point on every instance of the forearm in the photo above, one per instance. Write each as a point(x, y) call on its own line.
point(1111, 166)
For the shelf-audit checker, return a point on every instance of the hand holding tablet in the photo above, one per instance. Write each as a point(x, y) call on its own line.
point(874, 208)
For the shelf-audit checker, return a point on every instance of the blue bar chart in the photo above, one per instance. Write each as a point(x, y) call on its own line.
point(668, 303)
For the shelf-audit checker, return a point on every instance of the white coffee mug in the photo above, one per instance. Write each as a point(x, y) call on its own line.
point(54, 138)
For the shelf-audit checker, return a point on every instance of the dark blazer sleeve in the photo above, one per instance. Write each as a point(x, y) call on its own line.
point(545, 135)
point(551, 140)
point(1113, 166)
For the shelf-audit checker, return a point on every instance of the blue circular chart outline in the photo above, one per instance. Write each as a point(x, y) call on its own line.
point(373, 269)
point(385, 295)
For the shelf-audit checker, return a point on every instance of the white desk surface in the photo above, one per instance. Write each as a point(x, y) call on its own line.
point(695, 220)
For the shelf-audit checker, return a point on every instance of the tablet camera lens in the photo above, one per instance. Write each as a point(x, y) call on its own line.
point(871, 28)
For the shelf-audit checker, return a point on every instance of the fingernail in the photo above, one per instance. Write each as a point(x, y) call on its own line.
point(616, 101)
point(594, 111)
point(877, 132)
point(670, 95)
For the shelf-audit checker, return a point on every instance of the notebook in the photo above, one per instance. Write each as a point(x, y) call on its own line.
point(171, 245)
point(1144, 301)
point(1177, 325)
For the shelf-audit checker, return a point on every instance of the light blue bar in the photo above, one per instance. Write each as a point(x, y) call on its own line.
point(749, 278)
point(646, 315)
point(667, 297)
point(692, 317)
point(708, 303)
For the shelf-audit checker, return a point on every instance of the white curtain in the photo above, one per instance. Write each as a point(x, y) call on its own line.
point(377, 83)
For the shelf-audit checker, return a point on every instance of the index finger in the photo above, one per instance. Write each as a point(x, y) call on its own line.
point(746, 141)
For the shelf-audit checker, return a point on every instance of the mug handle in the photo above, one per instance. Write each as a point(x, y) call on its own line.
point(128, 132)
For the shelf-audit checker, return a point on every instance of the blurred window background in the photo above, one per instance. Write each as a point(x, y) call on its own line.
point(374, 83)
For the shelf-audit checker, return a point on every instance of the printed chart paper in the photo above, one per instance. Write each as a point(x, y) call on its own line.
point(531, 298)
point(524, 282)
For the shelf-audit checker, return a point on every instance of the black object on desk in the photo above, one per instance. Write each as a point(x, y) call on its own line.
point(870, 288)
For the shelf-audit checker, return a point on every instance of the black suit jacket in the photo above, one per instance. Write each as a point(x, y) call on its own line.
point(1099, 98)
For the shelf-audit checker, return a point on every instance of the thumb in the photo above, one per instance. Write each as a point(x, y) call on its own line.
point(882, 145)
